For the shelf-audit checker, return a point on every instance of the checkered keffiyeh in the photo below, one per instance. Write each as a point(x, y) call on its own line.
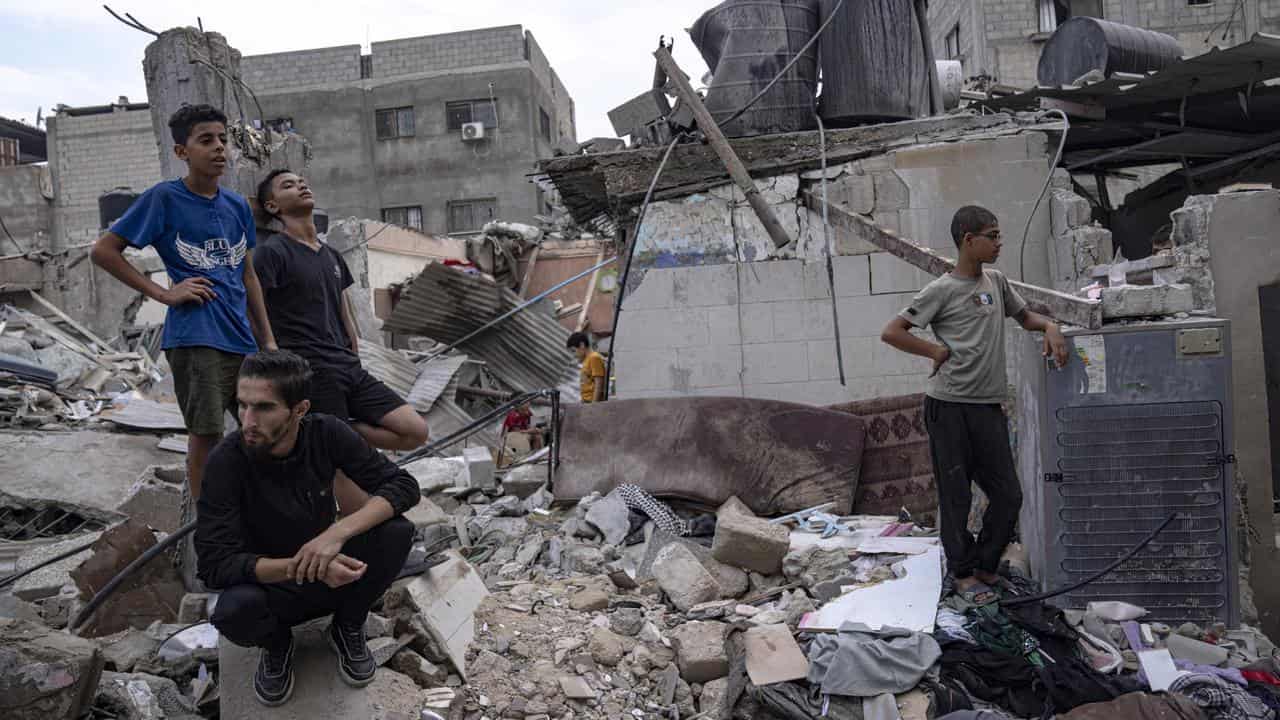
point(661, 515)
point(1220, 700)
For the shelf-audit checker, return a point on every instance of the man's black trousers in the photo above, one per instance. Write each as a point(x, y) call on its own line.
point(256, 615)
point(970, 443)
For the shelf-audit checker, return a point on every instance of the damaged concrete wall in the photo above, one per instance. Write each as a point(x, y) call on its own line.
point(347, 236)
point(1235, 233)
point(26, 195)
point(716, 309)
point(90, 155)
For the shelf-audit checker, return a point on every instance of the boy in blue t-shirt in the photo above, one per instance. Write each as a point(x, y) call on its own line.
point(205, 236)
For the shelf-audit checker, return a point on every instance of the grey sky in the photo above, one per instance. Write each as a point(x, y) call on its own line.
point(64, 51)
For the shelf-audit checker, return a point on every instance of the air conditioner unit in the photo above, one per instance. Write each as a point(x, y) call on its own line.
point(472, 131)
point(1137, 427)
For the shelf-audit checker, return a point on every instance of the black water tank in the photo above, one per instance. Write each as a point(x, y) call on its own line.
point(873, 63)
point(746, 43)
point(1084, 44)
point(113, 204)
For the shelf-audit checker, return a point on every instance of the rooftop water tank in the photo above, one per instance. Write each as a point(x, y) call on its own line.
point(113, 204)
point(873, 63)
point(1085, 44)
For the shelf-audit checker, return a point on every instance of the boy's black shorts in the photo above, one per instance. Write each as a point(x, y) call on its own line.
point(350, 392)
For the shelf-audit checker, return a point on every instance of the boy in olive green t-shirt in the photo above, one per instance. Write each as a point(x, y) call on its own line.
point(968, 431)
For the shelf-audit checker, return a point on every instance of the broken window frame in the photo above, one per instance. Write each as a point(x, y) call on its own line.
point(469, 216)
point(544, 121)
point(951, 43)
point(460, 112)
point(409, 216)
point(392, 123)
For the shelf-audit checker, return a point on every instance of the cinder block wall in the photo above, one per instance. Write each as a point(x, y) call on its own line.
point(279, 71)
point(90, 155)
point(714, 309)
point(489, 46)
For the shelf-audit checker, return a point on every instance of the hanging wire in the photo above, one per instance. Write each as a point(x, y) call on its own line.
point(1057, 157)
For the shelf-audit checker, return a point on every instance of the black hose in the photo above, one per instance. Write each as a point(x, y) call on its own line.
point(11, 579)
point(115, 582)
point(1010, 602)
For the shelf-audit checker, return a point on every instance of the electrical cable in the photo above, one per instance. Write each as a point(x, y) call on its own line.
point(631, 252)
point(826, 239)
point(1023, 600)
point(178, 632)
point(115, 582)
point(786, 68)
point(11, 579)
point(1057, 158)
point(10, 236)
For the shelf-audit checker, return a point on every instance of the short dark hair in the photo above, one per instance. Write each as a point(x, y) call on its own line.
point(188, 116)
point(578, 340)
point(971, 219)
point(288, 372)
point(265, 190)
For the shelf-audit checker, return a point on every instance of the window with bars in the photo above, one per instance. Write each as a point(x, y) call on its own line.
point(545, 120)
point(470, 215)
point(461, 112)
point(952, 43)
point(408, 216)
point(394, 123)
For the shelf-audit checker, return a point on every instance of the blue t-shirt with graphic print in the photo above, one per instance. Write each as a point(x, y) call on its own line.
point(198, 237)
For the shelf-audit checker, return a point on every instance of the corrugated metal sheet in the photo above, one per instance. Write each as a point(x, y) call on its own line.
point(390, 366)
point(527, 351)
point(433, 378)
point(446, 417)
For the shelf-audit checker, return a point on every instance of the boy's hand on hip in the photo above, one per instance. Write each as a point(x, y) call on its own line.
point(195, 289)
point(940, 357)
point(1055, 346)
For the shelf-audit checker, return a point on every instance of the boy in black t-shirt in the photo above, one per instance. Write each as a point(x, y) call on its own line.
point(304, 282)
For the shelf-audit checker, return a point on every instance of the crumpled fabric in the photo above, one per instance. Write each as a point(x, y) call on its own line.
point(949, 627)
point(797, 701)
point(861, 662)
point(1220, 700)
point(636, 498)
point(1138, 706)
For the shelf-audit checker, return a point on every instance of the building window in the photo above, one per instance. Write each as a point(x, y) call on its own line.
point(546, 124)
point(409, 216)
point(467, 216)
point(462, 112)
point(394, 123)
point(952, 43)
point(1055, 12)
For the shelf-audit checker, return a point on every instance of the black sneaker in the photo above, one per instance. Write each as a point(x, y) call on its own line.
point(273, 683)
point(355, 662)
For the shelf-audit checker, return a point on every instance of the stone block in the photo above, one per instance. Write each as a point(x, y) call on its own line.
point(480, 467)
point(772, 281)
point(750, 543)
point(1067, 210)
point(419, 669)
point(723, 325)
point(704, 285)
point(733, 582)
point(1146, 300)
point(714, 701)
point(524, 481)
point(611, 517)
point(685, 581)
point(775, 362)
point(890, 274)
point(700, 650)
point(854, 190)
point(446, 599)
point(45, 674)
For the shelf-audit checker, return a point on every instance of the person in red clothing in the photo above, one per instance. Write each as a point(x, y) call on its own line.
point(520, 421)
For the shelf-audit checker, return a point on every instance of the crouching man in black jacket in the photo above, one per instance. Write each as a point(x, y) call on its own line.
point(268, 536)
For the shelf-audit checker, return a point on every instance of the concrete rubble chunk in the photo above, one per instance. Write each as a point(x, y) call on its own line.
point(1196, 651)
point(480, 468)
point(749, 542)
point(605, 647)
point(124, 650)
point(434, 474)
point(714, 699)
point(700, 650)
point(45, 674)
point(733, 581)
point(376, 626)
point(384, 648)
point(611, 517)
point(153, 593)
point(1130, 301)
point(194, 608)
point(524, 481)
point(18, 609)
point(683, 578)
point(419, 669)
point(49, 580)
point(154, 502)
point(425, 514)
point(812, 565)
point(143, 697)
point(576, 688)
point(589, 600)
point(446, 598)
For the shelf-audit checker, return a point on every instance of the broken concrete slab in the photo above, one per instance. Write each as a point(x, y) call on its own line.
point(143, 697)
point(426, 513)
point(154, 502)
point(480, 468)
point(86, 467)
point(1201, 653)
point(773, 656)
point(714, 700)
point(733, 581)
point(749, 542)
point(700, 650)
point(576, 688)
point(49, 580)
point(419, 669)
point(152, 593)
point(124, 650)
point(14, 608)
point(446, 598)
point(1130, 301)
point(611, 516)
point(45, 674)
point(318, 691)
point(434, 474)
point(685, 581)
point(524, 480)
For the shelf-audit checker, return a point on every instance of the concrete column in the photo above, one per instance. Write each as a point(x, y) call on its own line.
point(187, 67)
